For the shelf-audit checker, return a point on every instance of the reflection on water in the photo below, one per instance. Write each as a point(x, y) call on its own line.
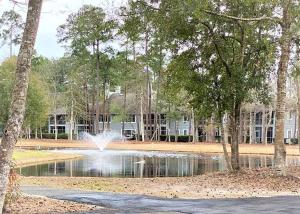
point(142, 164)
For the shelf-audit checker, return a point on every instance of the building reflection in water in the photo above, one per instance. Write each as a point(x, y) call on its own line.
point(128, 165)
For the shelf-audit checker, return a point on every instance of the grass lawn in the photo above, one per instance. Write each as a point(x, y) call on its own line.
point(31, 157)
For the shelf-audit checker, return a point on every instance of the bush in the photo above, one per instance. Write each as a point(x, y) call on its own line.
point(180, 138)
point(294, 141)
point(52, 136)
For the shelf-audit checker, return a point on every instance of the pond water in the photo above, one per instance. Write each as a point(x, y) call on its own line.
point(113, 163)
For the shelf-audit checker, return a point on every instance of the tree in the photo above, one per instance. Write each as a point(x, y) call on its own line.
point(138, 29)
point(213, 49)
point(37, 106)
point(296, 77)
point(11, 26)
point(289, 9)
point(17, 107)
point(85, 32)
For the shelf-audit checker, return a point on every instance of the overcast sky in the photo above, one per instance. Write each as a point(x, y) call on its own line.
point(54, 13)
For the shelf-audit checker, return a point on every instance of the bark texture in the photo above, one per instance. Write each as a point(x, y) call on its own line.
point(17, 107)
point(235, 123)
point(280, 151)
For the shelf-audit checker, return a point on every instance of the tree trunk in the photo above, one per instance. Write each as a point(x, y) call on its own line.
point(224, 142)
point(193, 126)
point(176, 131)
point(36, 133)
point(297, 83)
point(234, 121)
point(93, 112)
point(250, 127)
point(241, 126)
point(263, 125)
point(55, 110)
point(268, 125)
point(190, 128)
point(280, 151)
point(41, 132)
point(142, 119)
point(17, 107)
point(124, 109)
point(298, 109)
point(96, 122)
point(71, 121)
point(149, 93)
point(225, 129)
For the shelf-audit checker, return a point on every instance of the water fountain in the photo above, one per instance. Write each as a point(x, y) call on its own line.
point(103, 139)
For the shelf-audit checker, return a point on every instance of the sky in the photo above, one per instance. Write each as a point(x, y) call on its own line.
point(54, 13)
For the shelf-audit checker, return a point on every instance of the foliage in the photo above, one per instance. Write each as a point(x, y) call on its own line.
point(11, 26)
point(37, 107)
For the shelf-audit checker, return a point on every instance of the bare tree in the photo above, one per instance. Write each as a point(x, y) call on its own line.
point(17, 108)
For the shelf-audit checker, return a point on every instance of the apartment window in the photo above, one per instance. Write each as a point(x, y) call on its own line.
point(289, 134)
point(81, 121)
point(270, 134)
point(60, 129)
point(290, 115)
point(107, 118)
point(273, 117)
point(258, 118)
point(128, 133)
point(185, 119)
point(61, 119)
point(131, 118)
point(163, 119)
point(51, 119)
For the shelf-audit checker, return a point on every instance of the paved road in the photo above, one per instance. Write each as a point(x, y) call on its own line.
point(122, 203)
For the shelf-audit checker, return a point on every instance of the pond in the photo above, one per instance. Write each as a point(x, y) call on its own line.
point(131, 164)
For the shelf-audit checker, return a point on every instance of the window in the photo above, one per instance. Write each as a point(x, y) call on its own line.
point(107, 118)
point(163, 119)
point(273, 117)
point(128, 133)
point(60, 129)
point(258, 131)
point(163, 130)
point(290, 115)
point(81, 121)
point(289, 134)
point(101, 118)
point(270, 135)
point(258, 118)
point(60, 119)
point(185, 132)
point(131, 118)
point(51, 119)
point(185, 119)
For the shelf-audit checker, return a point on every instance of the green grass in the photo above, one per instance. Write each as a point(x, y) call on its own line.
point(29, 154)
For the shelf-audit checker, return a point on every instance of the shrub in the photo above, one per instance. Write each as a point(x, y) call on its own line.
point(52, 136)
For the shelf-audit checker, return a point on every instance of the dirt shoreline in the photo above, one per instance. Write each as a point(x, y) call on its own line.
point(258, 149)
point(247, 183)
point(26, 204)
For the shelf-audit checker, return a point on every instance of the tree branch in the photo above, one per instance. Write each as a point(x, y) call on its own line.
point(252, 19)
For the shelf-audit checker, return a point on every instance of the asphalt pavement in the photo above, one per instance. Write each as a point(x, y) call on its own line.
point(124, 203)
